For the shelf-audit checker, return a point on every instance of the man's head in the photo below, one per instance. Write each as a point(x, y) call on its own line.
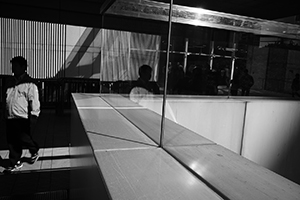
point(145, 72)
point(19, 65)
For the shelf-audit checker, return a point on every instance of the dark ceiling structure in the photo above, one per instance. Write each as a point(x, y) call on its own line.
point(264, 9)
point(88, 12)
point(92, 13)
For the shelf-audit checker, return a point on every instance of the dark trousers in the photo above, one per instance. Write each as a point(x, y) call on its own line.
point(19, 137)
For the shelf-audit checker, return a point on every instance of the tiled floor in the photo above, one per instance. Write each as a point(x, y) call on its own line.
point(48, 178)
point(50, 159)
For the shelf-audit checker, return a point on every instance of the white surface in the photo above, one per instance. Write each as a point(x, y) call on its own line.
point(272, 134)
point(149, 174)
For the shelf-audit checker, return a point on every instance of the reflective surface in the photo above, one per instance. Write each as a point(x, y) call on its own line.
point(149, 123)
point(123, 142)
point(85, 100)
point(274, 143)
point(108, 129)
point(211, 53)
point(149, 174)
point(131, 164)
point(234, 176)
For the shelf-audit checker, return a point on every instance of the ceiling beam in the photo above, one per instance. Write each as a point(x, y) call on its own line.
point(153, 10)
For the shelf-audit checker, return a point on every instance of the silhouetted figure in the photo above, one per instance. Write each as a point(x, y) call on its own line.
point(296, 86)
point(211, 85)
point(246, 82)
point(143, 87)
point(182, 86)
point(176, 73)
point(197, 84)
point(234, 87)
point(201, 81)
point(22, 110)
point(222, 79)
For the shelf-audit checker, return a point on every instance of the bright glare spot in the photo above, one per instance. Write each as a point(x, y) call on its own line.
point(199, 169)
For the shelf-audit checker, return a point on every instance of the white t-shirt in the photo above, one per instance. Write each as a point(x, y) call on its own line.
point(18, 98)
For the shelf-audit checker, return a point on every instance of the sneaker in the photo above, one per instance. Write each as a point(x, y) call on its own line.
point(34, 158)
point(17, 166)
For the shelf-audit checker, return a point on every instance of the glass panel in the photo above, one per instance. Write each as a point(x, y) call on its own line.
point(211, 54)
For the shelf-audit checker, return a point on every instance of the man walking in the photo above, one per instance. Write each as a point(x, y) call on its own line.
point(22, 110)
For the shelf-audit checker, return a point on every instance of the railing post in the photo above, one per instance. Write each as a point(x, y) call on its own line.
point(166, 76)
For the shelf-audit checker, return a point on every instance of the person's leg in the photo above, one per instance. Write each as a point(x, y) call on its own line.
point(27, 139)
point(13, 139)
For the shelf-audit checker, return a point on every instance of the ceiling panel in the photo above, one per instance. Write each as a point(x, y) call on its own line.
point(265, 9)
point(87, 12)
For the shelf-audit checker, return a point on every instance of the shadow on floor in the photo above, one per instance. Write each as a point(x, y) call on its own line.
point(52, 132)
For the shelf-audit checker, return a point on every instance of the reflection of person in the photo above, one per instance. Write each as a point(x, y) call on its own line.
point(182, 86)
point(198, 82)
point(222, 78)
point(143, 86)
point(296, 86)
point(234, 84)
point(246, 82)
point(22, 110)
point(176, 73)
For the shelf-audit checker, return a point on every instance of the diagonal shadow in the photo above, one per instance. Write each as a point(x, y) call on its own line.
point(77, 54)
point(124, 139)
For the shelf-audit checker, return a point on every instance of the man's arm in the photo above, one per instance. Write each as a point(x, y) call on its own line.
point(33, 106)
point(33, 100)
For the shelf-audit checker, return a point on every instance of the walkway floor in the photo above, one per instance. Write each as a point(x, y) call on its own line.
point(48, 178)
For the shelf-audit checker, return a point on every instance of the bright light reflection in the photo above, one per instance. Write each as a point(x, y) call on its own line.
point(198, 168)
point(191, 181)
